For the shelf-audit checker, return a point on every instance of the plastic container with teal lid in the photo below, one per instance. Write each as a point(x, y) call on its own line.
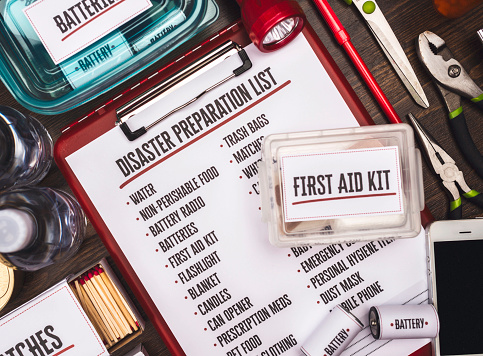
point(58, 54)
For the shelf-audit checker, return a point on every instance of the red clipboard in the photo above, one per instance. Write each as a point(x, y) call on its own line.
point(101, 120)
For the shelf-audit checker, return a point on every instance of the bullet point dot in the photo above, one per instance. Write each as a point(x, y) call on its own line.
point(250, 193)
point(231, 161)
point(137, 218)
point(318, 302)
point(186, 297)
point(215, 345)
point(298, 271)
point(289, 255)
point(166, 266)
point(308, 286)
point(206, 329)
point(196, 313)
point(147, 234)
point(157, 250)
point(127, 203)
point(240, 177)
point(392, 324)
point(221, 145)
point(347, 330)
point(175, 281)
point(426, 323)
point(259, 208)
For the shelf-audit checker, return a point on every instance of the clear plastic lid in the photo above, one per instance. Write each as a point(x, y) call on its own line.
point(343, 185)
point(58, 54)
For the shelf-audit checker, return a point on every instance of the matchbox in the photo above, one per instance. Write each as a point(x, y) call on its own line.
point(344, 185)
point(71, 315)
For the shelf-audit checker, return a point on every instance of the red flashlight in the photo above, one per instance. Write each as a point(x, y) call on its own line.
point(271, 24)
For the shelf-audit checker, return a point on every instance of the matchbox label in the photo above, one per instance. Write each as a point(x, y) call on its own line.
point(337, 184)
point(65, 27)
point(50, 324)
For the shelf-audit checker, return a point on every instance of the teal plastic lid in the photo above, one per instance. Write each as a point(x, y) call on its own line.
point(58, 54)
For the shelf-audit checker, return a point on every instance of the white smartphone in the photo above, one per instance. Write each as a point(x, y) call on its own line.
point(455, 258)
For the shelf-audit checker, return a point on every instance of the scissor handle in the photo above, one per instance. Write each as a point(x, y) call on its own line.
point(463, 139)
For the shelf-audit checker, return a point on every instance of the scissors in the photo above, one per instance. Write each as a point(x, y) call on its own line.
point(392, 48)
point(453, 82)
point(447, 170)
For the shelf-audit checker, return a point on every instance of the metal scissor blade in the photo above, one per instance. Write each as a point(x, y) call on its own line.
point(394, 52)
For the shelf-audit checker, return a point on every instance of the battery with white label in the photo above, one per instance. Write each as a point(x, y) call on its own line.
point(404, 322)
point(334, 334)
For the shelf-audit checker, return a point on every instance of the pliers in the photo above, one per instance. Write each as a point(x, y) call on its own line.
point(453, 82)
point(447, 170)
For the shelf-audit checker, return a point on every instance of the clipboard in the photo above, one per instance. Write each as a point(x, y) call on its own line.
point(98, 122)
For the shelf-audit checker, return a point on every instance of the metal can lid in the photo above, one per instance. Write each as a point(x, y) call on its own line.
point(7, 284)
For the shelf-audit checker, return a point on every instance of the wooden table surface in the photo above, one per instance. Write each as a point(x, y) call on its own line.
point(408, 18)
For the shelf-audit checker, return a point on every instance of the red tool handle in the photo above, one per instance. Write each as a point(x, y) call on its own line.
point(344, 40)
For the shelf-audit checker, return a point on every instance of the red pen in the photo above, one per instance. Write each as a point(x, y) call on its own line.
point(344, 40)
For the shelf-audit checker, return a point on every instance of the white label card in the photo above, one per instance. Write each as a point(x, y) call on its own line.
point(65, 27)
point(53, 323)
point(362, 182)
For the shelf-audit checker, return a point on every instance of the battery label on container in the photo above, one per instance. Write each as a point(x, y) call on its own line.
point(158, 31)
point(66, 27)
point(91, 64)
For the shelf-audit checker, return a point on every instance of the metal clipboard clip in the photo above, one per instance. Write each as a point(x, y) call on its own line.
point(154, 94)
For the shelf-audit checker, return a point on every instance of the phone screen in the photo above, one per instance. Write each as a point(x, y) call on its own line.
point(459, 285)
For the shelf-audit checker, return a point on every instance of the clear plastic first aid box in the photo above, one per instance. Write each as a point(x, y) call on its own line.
point(343, 185)
point(58, 54)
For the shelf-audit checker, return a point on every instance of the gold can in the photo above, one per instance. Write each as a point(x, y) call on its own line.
point(10, 284)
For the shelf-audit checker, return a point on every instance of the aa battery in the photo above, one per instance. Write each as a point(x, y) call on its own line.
point(334, 334)
point(403, 322)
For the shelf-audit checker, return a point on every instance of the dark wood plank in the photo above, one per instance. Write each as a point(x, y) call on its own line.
point(408, 18)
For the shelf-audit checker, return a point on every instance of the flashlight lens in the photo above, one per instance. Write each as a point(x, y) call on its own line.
point(280, 31)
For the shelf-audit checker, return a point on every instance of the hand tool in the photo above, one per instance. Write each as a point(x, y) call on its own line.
point(392, 48)
point(344, 40)
point(447, 170)
point(453, 82)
